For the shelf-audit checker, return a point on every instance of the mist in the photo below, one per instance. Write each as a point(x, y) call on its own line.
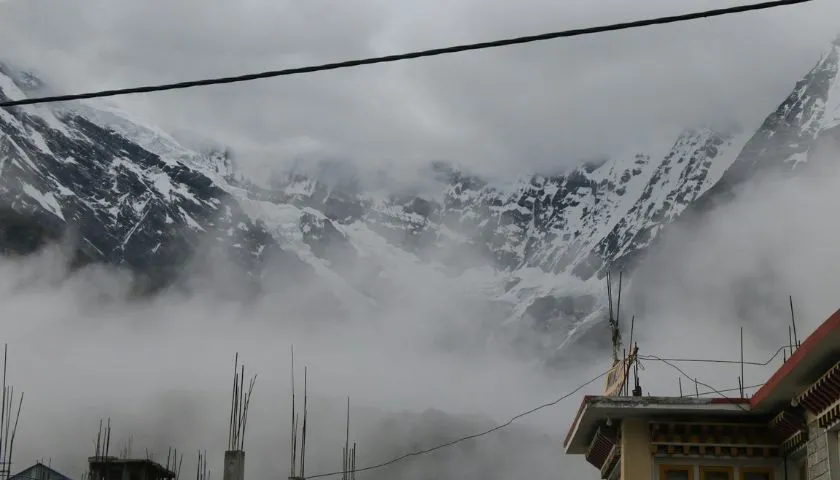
point(160, 368)
point(536, 107)
point(424, 363)
point(736, 267)
point(419, 369)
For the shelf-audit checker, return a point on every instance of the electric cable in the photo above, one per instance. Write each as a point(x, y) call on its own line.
point(694, 379)
point(705, 360)
point(667, 361)
point(410, 55)
point(733, 389)
point(425, 451)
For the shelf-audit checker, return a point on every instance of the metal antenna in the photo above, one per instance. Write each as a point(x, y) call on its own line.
point(347, 443)
point(631, 359)
point(618, 305)
point(741, 378)
point(8, 429)
point(233, 402)
point(611, 318)
point(303, 431)
point(294, 420)
point(790, 342)
point(3, 466)
point(298, 472)
point(240, 401)
point(14, 433)
point(793, 322)
point(108, 438)
point(637, 389)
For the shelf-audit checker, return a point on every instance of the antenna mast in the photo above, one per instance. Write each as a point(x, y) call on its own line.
point(349, 454)
point(297, 471)
point(614, 314)
point(793, 322)
point(8, 429)
point(240, 402)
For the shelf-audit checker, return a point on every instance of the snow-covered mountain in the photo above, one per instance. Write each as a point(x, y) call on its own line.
point(534, 248)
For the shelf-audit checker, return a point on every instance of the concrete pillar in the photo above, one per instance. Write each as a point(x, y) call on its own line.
point(833, 446)
point(636, 459)
point(818, 454)
point(234, 465)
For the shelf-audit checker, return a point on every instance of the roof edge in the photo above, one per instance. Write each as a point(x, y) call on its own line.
point(827, 326)
point(635, 402)
point(583, 404)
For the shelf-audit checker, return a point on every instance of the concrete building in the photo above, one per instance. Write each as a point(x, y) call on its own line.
point(113, 468)
point(788, 430)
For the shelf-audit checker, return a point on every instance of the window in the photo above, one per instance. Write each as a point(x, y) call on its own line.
point(676, 472)
point(757, 473)
point(716, 473)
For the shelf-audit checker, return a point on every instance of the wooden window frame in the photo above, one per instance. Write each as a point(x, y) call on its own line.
point(768, 470)
point(665, 468)
point(717, 468)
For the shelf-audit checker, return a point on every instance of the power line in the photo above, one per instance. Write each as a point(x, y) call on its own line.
point(733, 389)
point(711, 360)
point(670, 362)
point(409, 55)
point(694, 379)
point(468, 437)
point(667, 361)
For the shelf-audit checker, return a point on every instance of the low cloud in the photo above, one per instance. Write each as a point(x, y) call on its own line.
point(534, 107)
point(737, 266)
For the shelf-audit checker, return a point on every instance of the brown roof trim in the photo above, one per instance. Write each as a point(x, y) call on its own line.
point(688, 401)
point(812, 341)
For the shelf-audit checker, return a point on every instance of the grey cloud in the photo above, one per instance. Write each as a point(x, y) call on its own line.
point(527, 107)
point(736, 268)
point(160, 369)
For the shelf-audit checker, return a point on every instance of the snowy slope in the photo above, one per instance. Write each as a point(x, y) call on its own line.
point(125, 204)
point(533, 248)
point(788, 137)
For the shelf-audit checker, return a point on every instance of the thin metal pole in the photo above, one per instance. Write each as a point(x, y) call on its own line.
point(742, 362)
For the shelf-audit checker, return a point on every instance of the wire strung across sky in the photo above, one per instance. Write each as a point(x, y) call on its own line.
point(580, 387)
point(425, 451)
point(431, 53)
point(708, 360)
point(409, 55)
point(689, 377)
point(725, 390)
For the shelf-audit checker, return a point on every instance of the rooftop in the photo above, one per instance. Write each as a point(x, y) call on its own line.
point(39, 471)
point(594, 409)
point(102, 461)
point(814, 356)
point(817, 354)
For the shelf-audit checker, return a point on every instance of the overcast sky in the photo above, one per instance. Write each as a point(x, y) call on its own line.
point(529, 107)
point(522, 108)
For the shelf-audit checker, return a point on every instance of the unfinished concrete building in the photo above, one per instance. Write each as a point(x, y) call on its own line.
point(113, 468)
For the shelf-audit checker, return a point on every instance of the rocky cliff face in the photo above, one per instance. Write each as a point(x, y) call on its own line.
point(77, 172)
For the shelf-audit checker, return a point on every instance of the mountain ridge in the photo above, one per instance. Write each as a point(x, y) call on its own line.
point(538, 244)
